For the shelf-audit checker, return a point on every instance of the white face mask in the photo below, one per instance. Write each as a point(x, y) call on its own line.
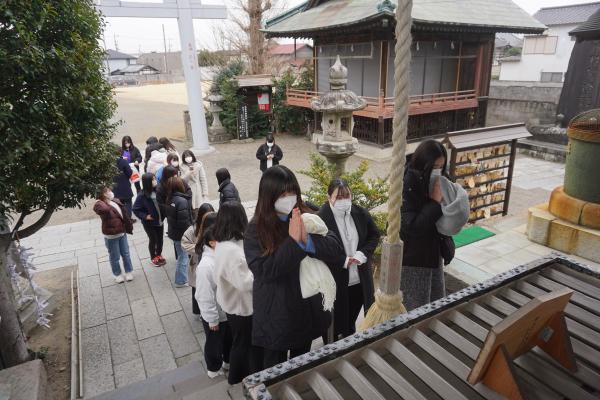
point(175, 163)
point(110, 195)
point(285, 205)
point(343, 205)
point(154, 184)
point(436, 172)
point(189, 160)
point(270, 144)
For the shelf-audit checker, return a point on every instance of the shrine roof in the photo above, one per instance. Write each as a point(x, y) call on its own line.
point(491, 15)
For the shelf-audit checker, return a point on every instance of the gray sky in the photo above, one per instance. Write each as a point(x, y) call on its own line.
point(134, 35)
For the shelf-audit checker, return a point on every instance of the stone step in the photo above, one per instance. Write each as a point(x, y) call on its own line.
point(24, 382)
point(170, 385)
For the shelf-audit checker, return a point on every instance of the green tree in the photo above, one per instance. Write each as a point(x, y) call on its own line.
point(290, 118)
point(55, 124)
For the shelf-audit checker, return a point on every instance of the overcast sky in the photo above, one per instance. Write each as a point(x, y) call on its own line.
point(135, 35)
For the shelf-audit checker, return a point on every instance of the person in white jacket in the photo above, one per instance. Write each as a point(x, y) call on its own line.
point(216, 328)
point(193, 173)
point(234, 289)
point(158, 159)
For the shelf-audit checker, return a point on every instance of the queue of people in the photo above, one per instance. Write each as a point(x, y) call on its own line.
point(247, 277)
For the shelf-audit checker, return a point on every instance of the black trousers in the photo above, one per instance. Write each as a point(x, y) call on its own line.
point(217, 346)
point(138, 187)
point(244, 358)
point(128, 205)
point(195, 307)
point(155, 236)
point(355, 303)
point(274, 357)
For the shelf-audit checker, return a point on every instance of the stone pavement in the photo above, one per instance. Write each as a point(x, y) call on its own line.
point(141, 329)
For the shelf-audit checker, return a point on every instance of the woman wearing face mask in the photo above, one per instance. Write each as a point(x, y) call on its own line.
point(193, 173)
point(133, 156)
point(360, 236)
point(115, 225)
point(173, 161)
point(269, 153)
point(275, 243)
point(422, 279)
point(146, 208)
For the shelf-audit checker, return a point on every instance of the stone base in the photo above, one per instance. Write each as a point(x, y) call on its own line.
point(546, 229)
point(218, 135)
point(573, 210)
point(24, 382)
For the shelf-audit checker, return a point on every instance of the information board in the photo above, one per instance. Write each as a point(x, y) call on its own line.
point(242, 122)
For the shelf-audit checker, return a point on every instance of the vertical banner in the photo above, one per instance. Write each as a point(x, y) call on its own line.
point(264, 101)
point(242, 122)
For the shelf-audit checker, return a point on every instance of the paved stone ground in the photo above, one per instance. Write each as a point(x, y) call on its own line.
point(143, 328)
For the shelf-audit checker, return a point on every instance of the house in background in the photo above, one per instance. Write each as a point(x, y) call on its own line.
point(116, 60)
point(136, 69)
point(505, 45)
point(452, 51)
point(284, 56)
point(545, 58)
point(169, 62)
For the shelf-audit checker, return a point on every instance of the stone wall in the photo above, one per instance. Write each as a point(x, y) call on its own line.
point(512, 102)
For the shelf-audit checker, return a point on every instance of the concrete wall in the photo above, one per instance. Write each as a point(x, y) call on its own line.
point(531, 66)
point(513, 102)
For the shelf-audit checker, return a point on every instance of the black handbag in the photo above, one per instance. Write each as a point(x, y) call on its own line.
point(447, 248)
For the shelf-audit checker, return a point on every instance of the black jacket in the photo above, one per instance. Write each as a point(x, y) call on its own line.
point(228, 192)
point(179, 215)
point(144, 206)
point(368, 238)
point(282, 319)
point(134, 154)
point(122, 185)
point(161, 197)
point(422, 242)
point(263, 151)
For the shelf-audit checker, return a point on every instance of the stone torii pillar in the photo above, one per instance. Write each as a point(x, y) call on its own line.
point(185, 11)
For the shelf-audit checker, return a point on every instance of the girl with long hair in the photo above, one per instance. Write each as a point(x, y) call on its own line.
point(193, 173)
point(132, 155)
point(147, 209)
point(275, 243)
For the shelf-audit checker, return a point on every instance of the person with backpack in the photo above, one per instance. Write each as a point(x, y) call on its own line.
point(147, 209)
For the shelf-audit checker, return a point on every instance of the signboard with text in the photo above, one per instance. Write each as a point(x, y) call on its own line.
point(242, 122)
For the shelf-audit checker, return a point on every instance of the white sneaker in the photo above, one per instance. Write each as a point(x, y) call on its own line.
point(180, 285)
point(129, 276)
point(225, 366)
point(119, 279)
point(213, 375)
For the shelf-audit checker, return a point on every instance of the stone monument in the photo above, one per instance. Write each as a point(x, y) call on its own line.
point(570, 222)
point(336, 143)
point(216, 132)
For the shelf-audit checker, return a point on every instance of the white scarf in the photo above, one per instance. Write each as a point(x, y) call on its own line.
point(349, 236)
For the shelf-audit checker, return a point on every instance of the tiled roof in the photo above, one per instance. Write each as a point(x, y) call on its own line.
point(285, 49)
point(134, 68)
point(498, 15)
point(565, 15)
point(117, 55)
point(590, 28)
point(507, 39)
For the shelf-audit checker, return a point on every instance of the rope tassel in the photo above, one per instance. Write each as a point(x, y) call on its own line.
point(388, 301)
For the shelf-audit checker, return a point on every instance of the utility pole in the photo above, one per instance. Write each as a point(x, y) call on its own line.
point(106, 55)
point(116, 44)
point(165, 44)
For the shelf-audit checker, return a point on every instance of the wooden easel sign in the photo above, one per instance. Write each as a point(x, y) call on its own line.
point(541, 322)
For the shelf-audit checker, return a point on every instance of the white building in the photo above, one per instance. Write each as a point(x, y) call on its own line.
point(545, 58)
point(117, 60)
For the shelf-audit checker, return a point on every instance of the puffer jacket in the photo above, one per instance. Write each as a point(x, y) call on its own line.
point(113, 223)
point(228, 192)
point(158, 158)
point(179, 215)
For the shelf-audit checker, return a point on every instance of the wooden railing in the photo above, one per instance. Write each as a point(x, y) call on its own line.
point(384, 106)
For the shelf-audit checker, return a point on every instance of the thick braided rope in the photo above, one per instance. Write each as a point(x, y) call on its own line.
point(400, 126)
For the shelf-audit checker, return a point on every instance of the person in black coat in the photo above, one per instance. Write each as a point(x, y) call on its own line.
point(146, 208)
point(122, 184)
point(269, 153)
point(179, 218)
point(227, 190)
point(133, 156)
point(422, 279)
point(274, 245)
point(360, 236)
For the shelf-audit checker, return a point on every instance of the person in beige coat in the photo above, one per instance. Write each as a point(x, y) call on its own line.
point(189, 240)
point(193, 173)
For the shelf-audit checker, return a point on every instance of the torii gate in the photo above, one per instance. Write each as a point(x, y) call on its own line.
point(185, 11)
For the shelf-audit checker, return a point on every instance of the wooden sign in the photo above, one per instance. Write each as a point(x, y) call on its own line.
point(541, 323)
point(242, 122)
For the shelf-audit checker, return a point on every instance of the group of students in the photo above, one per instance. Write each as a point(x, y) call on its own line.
point(246, 275)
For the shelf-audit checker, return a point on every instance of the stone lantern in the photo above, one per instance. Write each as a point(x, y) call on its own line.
point(337, 144)
point(216, 132)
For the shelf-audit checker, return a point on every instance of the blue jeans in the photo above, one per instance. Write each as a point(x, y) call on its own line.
point(118, 248)
point(181, 268)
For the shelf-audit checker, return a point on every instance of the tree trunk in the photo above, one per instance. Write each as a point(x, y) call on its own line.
point(13, 346)
point(256, 48)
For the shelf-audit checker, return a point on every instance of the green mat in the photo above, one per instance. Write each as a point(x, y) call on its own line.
point(470, 235)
